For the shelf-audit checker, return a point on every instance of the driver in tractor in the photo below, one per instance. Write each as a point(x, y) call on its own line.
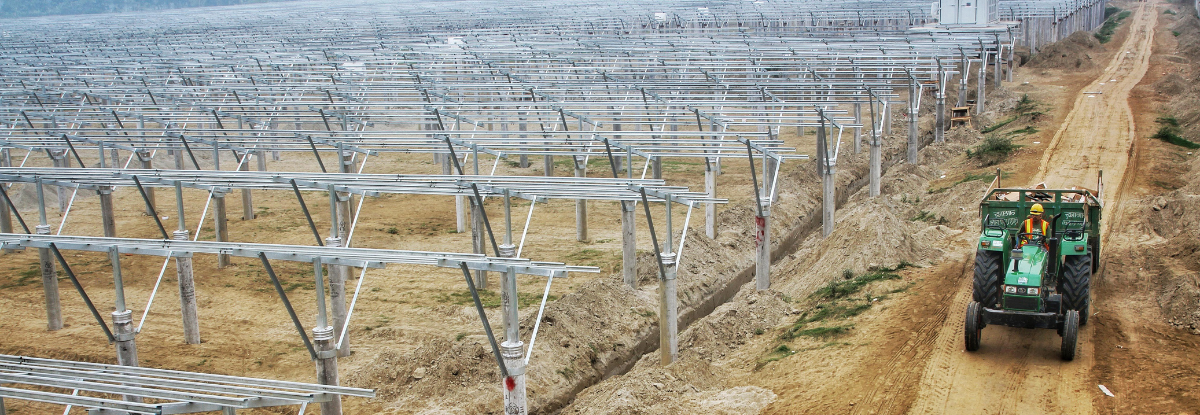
point(1033, 226)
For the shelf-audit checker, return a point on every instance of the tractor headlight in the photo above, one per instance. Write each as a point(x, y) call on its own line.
point(986, 244)
point(1010, 289)
point(1032, 291)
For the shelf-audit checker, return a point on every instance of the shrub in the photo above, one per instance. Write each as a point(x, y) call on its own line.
point(993, 150)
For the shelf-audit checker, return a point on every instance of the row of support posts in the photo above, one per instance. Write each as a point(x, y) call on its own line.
point(124, 332)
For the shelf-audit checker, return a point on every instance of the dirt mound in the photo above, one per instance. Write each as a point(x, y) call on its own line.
point(699, 381)
point(1188, 39)
point(1075, 52)
point(1172, 84)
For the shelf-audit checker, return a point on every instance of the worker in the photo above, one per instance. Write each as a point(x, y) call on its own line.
point(1034, 225)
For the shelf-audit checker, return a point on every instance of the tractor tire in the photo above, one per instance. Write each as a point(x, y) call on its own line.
point(1070, 336)
point(973, 328)
point(988, 273)
point(1076, 285)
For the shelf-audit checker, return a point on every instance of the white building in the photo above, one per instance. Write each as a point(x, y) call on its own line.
point(967, 12)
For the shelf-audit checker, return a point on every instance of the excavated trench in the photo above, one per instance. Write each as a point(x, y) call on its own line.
point(648, 339)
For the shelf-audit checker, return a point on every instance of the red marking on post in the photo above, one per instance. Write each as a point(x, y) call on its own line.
point(510, 383)
point(760, 229)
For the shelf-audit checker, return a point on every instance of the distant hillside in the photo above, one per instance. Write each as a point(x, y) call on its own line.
point(28, 8)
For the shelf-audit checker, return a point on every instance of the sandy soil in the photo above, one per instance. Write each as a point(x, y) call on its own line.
point(418, 342)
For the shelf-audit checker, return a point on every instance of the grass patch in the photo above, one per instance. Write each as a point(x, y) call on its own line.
point(1104, 35)
point(993, 150)
point(1027, 130)
point(490, 299)
point(826, 332)
point(927, 216)
point(1168, 131)
point(1175, 33)
point(27, 277)
point(840, 289)
point(999, 125)
point(1170, 12)
point(1169, 135)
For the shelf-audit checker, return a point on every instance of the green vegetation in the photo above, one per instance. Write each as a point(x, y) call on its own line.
point(927, 216)
point(29, 8)
point(1169, 131)
point(999, 125)
point(1027, 130)
point(490, 299)
point(834, 301)
point(993, 150)
point(839, 289)
point(1170, 12)
point(1104, 35)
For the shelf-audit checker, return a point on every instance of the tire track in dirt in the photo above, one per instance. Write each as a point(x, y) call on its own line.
point(900, 370)
point(1096, 134)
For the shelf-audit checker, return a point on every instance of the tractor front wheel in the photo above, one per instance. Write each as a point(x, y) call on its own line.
point(1070, 335)
point(973, 327)
point(1076, 285)
point(988, 271)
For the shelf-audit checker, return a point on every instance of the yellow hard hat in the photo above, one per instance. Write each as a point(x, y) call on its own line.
point(1036, 209)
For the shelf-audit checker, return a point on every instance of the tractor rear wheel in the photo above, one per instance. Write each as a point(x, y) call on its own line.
point(973, 328)
point(1076, 285)
point(1070, 336)
point(986, 288)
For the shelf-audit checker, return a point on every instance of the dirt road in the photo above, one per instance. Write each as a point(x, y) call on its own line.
point(1019, 371)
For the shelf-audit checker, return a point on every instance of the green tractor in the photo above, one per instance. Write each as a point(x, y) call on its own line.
point(1035, 280)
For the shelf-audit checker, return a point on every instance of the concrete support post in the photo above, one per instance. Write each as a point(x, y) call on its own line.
point(668, 312)
point(962, 83)
point(337, 298)
point(548, 166)
point(126, 345)
point(247, 198)
point(144, 159)
point(512, 349)
point(221, 227)
point(49, 283)
point(581, 226)
point(997, 66)
point(522, 126)
point(178, 158)
point(828, 199)
point(710, 188)
point(107, 220)
point(656, 167)
point(825, 169)
point(460, 207)
point(857, 130)
point(59, 158)
point(261, 159)
point(327, 368)
point(887, 119)
point(187, 293)
point(345, 205)
point(628, 244)
point(515, 400)
point(478, 245)
point(2, 411)
point(939, 125)
point(1011, 63)
point(6, 225)
point(981, 86)
point(876, 165)
point(913, 143)
point(762, 248)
